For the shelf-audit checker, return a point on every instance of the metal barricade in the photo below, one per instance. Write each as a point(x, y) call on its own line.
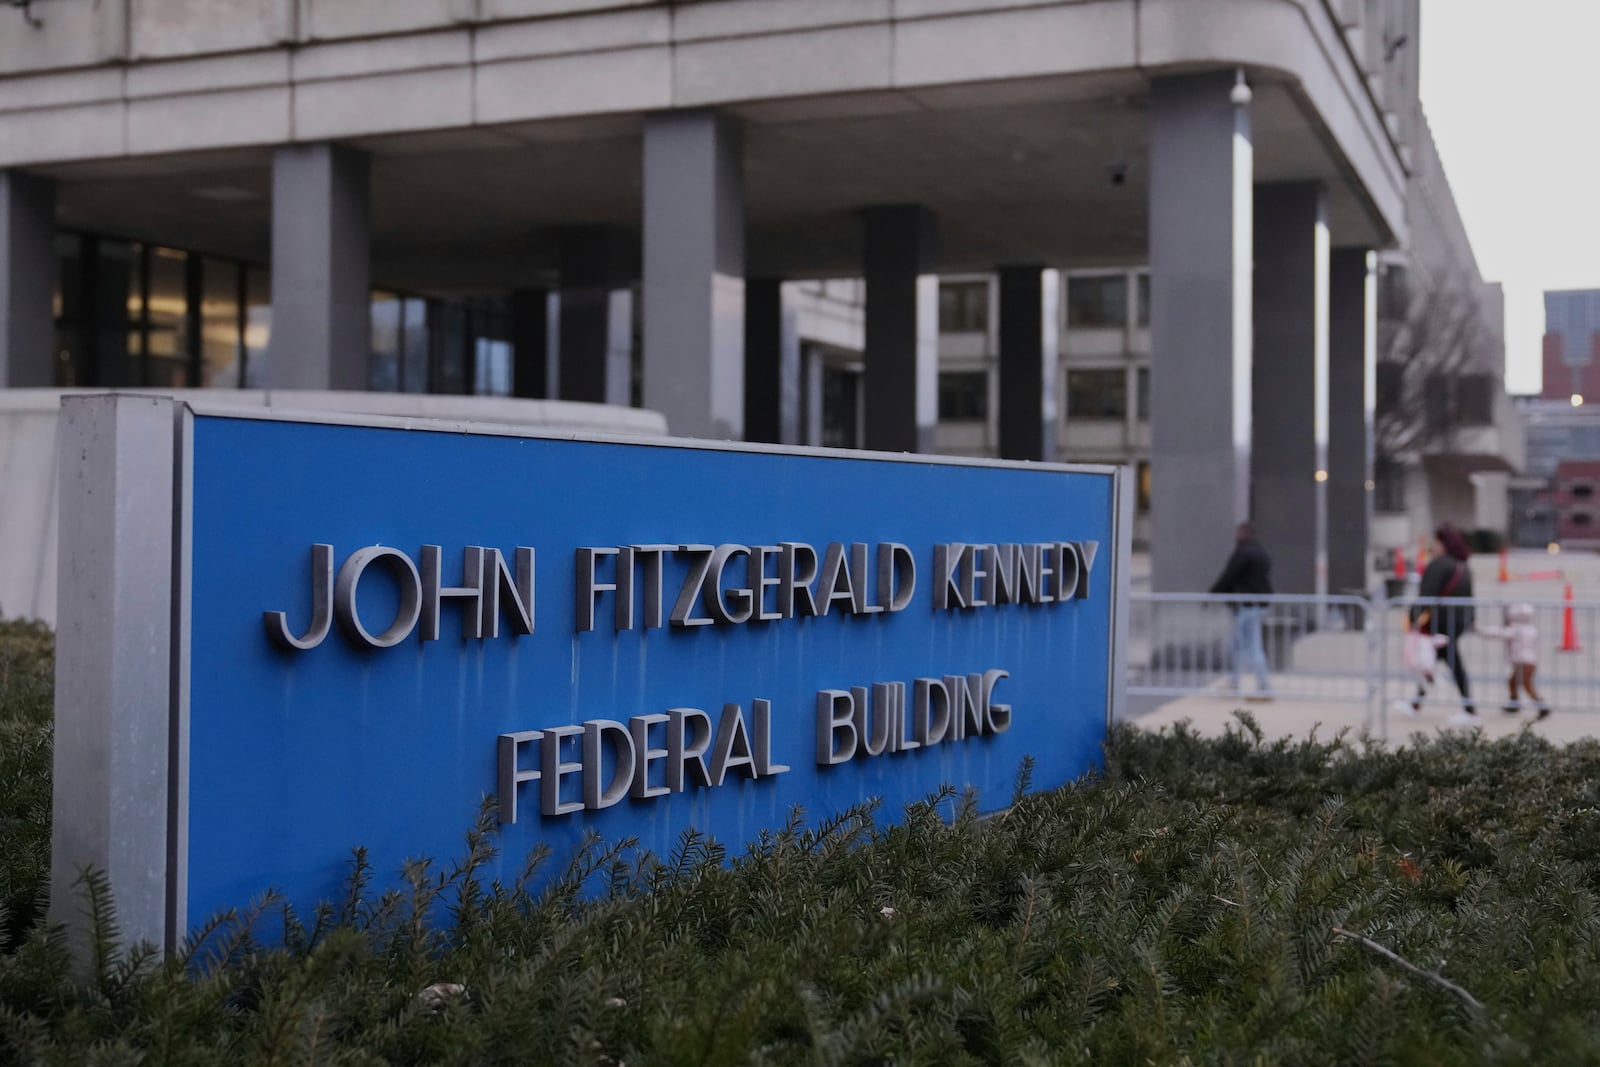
point(1566, 671)
point(1312, 648)
point(1349, 653)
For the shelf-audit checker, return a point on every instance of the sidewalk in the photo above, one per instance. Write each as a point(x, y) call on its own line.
point(1298, 718)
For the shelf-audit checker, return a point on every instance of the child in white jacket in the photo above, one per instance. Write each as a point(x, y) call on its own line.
point(1522, 652)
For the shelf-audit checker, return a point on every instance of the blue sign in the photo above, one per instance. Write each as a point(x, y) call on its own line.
point(384, 625)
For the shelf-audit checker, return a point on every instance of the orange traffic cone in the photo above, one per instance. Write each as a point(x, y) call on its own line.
point(1569, 629)
point(1400, 563)
point(1505, 574)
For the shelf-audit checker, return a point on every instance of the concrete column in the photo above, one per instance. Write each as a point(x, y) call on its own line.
point(533, 351)
point(27, 274)
point(1200, 232)
point(771, 365)
point(1352, 350)
point(694, 273)
point(900, 255)
point(1289, 455)
point(321, 288)
point(595, 319)
point(811, 391)
point(1030, 331)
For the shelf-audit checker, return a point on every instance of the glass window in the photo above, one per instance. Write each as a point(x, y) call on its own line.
point(1582, 491)
point(219, 324)
point(1389, 486)
point(839, 395)
point(1098, 300)
point(414, 347)
point(447, 339)
point(963, 396)
point(166, 352)
point(1144, 300)
point(963, 307)
point(1144, 394)
point(1390, 384)
point(1144, 487)
point(1097, 394)
point(257, 319)
point(67, 304)
point(383, 368)
point(1475, 399)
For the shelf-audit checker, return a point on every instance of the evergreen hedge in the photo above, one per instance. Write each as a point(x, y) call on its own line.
point(1203, 901)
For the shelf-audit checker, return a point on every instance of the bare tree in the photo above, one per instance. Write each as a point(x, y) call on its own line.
point(1424, 354)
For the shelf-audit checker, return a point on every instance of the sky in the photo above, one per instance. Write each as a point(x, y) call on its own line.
point(1512, 91)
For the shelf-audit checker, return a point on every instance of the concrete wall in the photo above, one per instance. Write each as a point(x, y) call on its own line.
point(107, 78)
point(29, 459)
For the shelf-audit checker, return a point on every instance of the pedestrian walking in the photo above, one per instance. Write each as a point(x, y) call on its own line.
point(1247, 572)
point(1446, 578)
point(1521, 638)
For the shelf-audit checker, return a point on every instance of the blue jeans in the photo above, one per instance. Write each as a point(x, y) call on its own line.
point(1247, 647)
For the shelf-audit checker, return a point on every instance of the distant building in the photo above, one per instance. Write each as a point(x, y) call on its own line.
point(1577, 503)
point(1571, 344)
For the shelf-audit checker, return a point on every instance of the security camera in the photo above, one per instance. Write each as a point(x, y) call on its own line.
point(1117, 174)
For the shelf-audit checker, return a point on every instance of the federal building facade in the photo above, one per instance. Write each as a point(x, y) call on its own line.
point(1157, 223)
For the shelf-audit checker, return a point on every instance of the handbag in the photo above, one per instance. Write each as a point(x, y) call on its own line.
point(1420, 654)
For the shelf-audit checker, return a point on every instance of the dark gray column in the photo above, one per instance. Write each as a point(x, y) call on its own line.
point(1352, 350)
point(1289, 454)
point(1030, 334)
point(533, 354)
point(900, 255)
point(27, 274)
point(1200, 227)
point(694, 273)
point(321, 288)
point(595, 317)
point(771, 365)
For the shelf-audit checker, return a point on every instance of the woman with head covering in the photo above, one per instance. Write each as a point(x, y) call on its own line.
point(1446, 578)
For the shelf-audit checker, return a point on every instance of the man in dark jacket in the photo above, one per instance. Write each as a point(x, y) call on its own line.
point(1249, 570)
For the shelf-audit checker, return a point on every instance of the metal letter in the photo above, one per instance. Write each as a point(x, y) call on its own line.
point(644, 755)
point(594, 732)
point(965, 715)
point(835, 583)
point(1066, 571)
point(717, 597)
point(946, 563)
point(511, 776)
point(499, 587)
point(587, 587)
point(758, 581)
point(835, 714)
point(897, 575)
point(1086, 551)
point(552, 768)
point(930, 710)
point(997, 717)
point(733, 745)
point(1049, 563)
point(344, 596)
point(858, 571)
point(434, 590)
point(1028, 589)
point(761, 713)
point(797, 569)
point(277, 622)
point(699, 566)
point(902, 742)
point(623, 617)
point(875, 741)
point(1004, 565)
point(652, 556)
point(684, 752)
point(973, 579)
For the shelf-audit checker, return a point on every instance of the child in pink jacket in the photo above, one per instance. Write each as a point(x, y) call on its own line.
point(1522, 652)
